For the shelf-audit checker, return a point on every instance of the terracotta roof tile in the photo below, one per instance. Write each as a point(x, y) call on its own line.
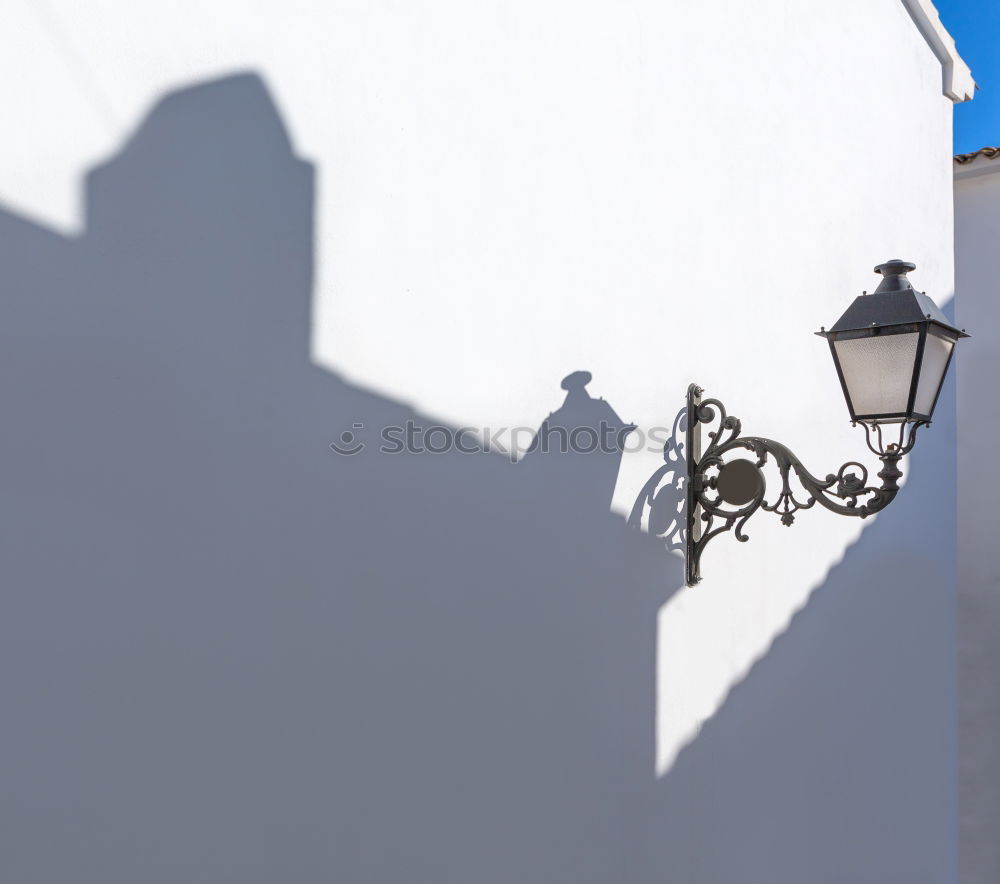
point(988, 152)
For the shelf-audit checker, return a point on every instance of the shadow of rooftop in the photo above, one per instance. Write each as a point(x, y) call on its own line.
point(228, 653)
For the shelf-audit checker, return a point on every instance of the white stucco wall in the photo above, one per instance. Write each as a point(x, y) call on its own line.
point(658, 193)
point(977, 223)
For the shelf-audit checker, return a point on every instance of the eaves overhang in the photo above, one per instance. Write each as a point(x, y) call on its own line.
point(956, 78)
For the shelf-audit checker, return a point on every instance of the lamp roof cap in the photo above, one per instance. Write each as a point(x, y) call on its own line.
point(894, 302)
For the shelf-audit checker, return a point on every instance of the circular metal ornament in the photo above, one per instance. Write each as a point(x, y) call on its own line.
point(739, 481)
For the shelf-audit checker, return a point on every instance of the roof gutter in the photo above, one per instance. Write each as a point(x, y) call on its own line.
point(956, 78)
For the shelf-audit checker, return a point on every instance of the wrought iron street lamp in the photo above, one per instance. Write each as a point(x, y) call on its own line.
point(892, 349)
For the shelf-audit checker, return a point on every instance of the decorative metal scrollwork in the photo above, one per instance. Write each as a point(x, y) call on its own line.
point(723, 494)
point(660, 505)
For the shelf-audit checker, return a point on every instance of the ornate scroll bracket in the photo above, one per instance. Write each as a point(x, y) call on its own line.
point(722, 494)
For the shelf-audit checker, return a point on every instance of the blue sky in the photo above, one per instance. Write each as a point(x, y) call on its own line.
point(975, 25)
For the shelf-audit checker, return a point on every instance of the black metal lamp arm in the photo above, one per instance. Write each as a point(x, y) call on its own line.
point(722, 495)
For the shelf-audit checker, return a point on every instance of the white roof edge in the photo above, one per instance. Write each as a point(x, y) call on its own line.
point(957, 82)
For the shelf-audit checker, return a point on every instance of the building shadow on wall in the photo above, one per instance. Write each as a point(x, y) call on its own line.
point(228, 653)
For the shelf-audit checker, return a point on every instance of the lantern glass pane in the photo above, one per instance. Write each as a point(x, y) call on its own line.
point(936, 353)
point(878, 371)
